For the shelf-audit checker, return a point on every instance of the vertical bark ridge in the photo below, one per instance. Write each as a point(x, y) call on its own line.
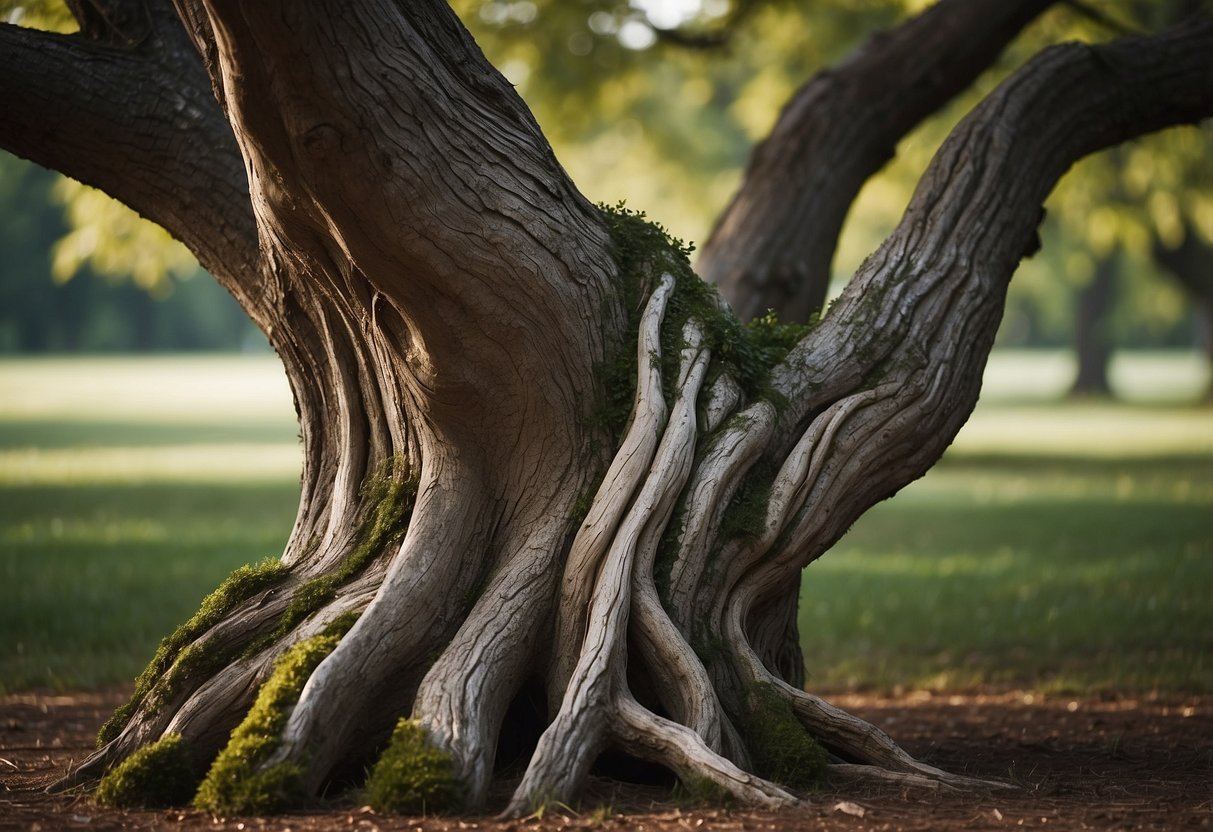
point(578, 729)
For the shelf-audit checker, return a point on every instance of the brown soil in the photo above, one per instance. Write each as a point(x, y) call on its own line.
point(1075, 763)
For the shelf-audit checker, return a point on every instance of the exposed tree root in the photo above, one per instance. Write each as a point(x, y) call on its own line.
point(660, 545)
point(446, 304)
point(683, 751)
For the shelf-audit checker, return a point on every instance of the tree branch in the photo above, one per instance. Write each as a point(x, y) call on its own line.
point(772, 247)
point(919, 318)
point(132, 114)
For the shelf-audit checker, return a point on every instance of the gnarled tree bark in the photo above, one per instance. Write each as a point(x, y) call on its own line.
point(447, 307)
point(773, 245)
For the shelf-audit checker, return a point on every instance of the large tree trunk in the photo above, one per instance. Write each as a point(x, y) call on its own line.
point(460, 329)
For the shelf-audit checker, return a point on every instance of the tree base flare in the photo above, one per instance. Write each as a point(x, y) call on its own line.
point(665, 600)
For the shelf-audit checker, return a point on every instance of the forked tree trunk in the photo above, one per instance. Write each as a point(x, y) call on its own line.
point(457, 322)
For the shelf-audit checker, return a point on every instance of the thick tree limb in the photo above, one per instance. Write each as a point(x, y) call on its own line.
point(975, 212)
point(772, 247)
point(132, 114)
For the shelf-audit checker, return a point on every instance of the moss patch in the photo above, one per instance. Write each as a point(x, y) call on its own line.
point(412, 777)
point(156, 776)
point(237, 782)
point(781, 749)
point(746, 514)
point(392, 492)
point(748, 352)
point(242, 584)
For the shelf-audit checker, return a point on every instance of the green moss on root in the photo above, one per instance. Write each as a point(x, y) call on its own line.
point(154, 777)
point(747, 351)
point(779, 745)
point(237, 781)
point(242, 584)
point(412, 776)
point(746, 514)
point(392, 492)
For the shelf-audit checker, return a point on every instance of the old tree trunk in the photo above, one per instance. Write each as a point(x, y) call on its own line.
point(556, 500)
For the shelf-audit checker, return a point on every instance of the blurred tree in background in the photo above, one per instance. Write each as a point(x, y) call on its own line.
point(658, 102)
point(80, 272)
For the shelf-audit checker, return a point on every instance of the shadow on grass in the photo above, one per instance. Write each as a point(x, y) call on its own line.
point(49, 435)
point(1089, 593)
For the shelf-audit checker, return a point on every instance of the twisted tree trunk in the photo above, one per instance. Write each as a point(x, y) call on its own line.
point(463, 332)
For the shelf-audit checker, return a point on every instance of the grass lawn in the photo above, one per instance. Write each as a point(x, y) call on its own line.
point(129, 488)
point(1055, 546)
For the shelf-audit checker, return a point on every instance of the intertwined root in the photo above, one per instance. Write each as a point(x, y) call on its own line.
point(652, 606)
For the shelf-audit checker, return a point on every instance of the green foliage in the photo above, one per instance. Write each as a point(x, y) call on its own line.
point(112, 240)
point(178, 652)
point(158, 775)
point(412, 777)
point(47, 15)
point(779, 745)
point(236, 781)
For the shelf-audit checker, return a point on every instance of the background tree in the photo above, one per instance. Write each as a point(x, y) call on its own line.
point(720, 77)
point(60, 229)
point(72, 308)
point(547, 473)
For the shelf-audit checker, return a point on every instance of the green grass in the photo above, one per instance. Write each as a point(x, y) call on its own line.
point(129, 488)
point(1056, 546)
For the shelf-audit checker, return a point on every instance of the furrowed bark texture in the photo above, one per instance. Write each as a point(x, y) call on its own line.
point(773, 245)
point(446, 305)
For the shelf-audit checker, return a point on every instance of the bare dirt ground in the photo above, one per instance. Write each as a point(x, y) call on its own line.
point(1114, 763)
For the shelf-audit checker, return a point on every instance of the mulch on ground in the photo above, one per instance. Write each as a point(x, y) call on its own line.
point(1075, 763)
